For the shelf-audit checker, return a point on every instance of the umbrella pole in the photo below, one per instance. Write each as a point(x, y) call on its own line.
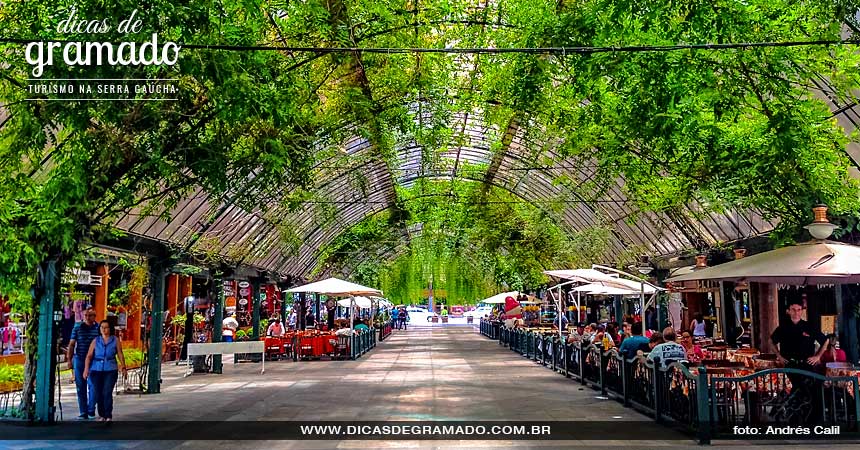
point(560, 312)
point(642, 302)
point(351, 309)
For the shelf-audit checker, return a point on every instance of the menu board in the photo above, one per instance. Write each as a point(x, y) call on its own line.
point(828, 325)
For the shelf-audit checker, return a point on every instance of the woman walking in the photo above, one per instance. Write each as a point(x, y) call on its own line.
point(101, 365)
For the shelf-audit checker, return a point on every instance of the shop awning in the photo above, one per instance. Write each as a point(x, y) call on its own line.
point(818, 262)
point(336, 287)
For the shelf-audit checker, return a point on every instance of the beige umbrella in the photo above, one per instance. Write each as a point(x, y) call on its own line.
point(337, 287)
point(500, 298)
point(816, 262)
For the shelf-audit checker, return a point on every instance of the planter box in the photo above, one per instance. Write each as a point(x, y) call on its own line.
point(10, 386)
point(435, 319)
point(12, 360)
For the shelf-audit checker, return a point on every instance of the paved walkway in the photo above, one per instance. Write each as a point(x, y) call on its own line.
point(429, 373)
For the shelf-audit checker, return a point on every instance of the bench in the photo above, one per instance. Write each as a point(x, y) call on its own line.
point(226, 348)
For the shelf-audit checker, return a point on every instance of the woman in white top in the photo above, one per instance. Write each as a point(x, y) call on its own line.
point(698, 326)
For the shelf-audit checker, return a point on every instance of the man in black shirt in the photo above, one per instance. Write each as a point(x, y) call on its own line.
point(796, 339)
point(796, 343)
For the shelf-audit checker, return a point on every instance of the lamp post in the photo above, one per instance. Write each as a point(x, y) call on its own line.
point(820, 228)
point(644, 268)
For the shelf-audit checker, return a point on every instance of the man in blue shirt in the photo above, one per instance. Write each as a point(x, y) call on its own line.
point(79, 344)
point(634, 343)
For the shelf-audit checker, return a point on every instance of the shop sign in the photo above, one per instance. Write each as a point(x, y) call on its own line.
point(243, 301)
point(244, 292)
point(228, 289)
point(244, 284)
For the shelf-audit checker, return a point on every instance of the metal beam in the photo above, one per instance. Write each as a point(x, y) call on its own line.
point(47, 344)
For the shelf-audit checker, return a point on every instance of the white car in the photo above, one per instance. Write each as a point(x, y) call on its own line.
point(480, 312)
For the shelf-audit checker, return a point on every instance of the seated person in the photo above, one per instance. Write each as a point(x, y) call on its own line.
point(631, 345)
point(275, 328)
point(360, 326)
point(694, 351)
point(574, 337)
point(833, 352)
point(669, 351)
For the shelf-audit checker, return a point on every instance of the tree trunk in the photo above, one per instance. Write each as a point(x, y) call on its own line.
point(28, 399)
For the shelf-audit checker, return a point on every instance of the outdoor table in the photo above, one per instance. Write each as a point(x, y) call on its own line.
point(840, 369)
point(744, 355)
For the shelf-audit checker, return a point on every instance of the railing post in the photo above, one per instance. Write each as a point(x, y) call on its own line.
point(702, 396)
point(582, 363)
point(602, 369)
point(566, 357)
point(625, 379)
point(657, 391)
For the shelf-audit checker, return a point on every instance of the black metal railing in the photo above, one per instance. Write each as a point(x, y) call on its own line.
point(705, 401)
point(362, 342)
point(384, 331)
point(490, 329)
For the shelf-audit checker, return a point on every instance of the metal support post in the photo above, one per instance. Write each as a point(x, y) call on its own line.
point(47, 345)
point(158, 272)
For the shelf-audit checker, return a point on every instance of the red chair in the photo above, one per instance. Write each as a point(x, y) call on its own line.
point(274, 348)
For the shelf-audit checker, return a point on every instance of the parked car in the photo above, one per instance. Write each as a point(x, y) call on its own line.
point(480, 312)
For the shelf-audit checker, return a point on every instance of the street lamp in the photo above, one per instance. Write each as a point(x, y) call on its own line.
point(644, 267)
point(820, 228)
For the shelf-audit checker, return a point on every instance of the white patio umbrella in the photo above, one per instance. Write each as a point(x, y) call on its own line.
point(816, 262)
point(600, 289)
point(361, 302)
point(500, 298)
point(337, 287)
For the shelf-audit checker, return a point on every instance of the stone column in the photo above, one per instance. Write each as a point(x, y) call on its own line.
point(135, 303)
point(100, 300)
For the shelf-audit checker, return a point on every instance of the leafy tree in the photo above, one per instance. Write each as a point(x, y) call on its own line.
point(70, 168)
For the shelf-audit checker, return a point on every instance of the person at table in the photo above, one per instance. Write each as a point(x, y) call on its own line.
point(612, 331)
point(694, 352)
point(588, 334)
point(360, 326)
point(654, 340)
point(275, 328)
point(636, 342)
point(833, 352)
point(310, 320)
point(669, 351)
point(574, 337)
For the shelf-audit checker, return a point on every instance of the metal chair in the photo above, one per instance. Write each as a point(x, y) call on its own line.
point(341, 348)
